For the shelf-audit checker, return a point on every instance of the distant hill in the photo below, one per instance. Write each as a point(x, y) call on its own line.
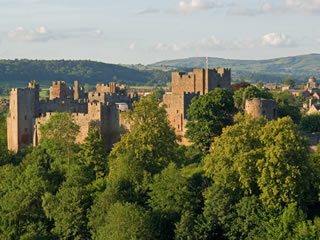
point(298, 67)
point(16, 73)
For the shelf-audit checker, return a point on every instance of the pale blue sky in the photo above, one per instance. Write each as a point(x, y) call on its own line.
point(145, 31)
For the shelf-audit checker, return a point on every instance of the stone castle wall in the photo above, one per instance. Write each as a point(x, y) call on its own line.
point(27, 113)
point(22, 110)
point(186, 86)
point(258, 108)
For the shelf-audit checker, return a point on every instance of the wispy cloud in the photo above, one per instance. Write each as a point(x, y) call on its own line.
point(195, 5)
point(206, 43)
point(277, 40)
point(42, 34)
point(240, 11)
point(132, 46)
point(297, 7)
point(149, 11)
point(307, 7)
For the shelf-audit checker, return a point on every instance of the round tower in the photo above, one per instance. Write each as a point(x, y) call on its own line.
point(259, 108)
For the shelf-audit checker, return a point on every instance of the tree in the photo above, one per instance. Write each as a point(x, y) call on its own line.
point(268, 160)
point(310, 123)
point(289, 81)
point(259, 84)
point(93, 153)
point(21, 191)
point(68, 207)
point(288, 105)
point(233, 157)
point(150, 145)
point(208, 115)
point(285, 225)
point(249, 93)
point(237, 86)
point(126, 221)
point(247, 220)
point(285, 168)
point(58, 136)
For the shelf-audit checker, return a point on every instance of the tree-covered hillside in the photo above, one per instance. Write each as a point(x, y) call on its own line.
point(19, 72)
point(272, 70)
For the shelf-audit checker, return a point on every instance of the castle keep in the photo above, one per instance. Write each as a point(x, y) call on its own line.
point(186, 86)
point(99, 108)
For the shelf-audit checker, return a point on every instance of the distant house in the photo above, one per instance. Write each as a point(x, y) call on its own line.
point(314, 108)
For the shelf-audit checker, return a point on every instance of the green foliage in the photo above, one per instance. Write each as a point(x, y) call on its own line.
point(151, 143)
point(58, 137)
point(269, 71)
point(310, 123)
point(126, 221)
point(68, 207)
point(20, 72)
point(233, 156)
point(4, 155)
point(285, 168)
point(270, 161)
point(259, 84)
point(208, 114)
point(246, 220)
point(288, 105)
point(284, 226)
point(21, 215)
point(289, 81)
point(249, 93)
point(93, 154)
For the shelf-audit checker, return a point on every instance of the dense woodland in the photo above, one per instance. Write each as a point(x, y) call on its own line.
point(242, 178)
point(20, 72)
point(17, 73)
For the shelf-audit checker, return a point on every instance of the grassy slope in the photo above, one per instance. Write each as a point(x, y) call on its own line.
point(298, 65)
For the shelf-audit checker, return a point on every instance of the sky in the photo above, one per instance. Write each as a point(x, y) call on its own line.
point(148, 31)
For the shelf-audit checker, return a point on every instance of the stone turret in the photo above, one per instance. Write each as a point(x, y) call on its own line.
point(258, 108)
point(23, 108)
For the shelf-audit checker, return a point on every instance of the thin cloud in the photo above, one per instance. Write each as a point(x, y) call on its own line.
point(132, 46)
point(206, 43)
point(42, 34)
point(149, 11)
point(195, 5)
point(296, 7)
point(277, 40)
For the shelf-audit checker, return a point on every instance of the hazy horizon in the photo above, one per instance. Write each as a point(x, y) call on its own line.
point(132, 32)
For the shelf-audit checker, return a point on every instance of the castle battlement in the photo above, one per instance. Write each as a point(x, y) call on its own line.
point(28, 112)
point(58, 83)
point(186, 86)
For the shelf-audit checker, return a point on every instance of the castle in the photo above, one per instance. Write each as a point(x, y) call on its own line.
point(100, 108)
point(186, 86)
point(259, 108)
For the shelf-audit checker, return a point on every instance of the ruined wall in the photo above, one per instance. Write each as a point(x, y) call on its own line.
point(81, 119)
point(58, 89)
point(64, 105)
point(201, 80)
point(27, 113)
point(107, 88)
point(22, 110)
point(258, 108)
point(111, 98)
point(177, 107)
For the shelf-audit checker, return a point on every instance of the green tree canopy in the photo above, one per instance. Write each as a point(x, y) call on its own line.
point(126, 221)
point(270, 161)
point(58, 137)
point(249, 93)
point(208, 115)
point(310, 123)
